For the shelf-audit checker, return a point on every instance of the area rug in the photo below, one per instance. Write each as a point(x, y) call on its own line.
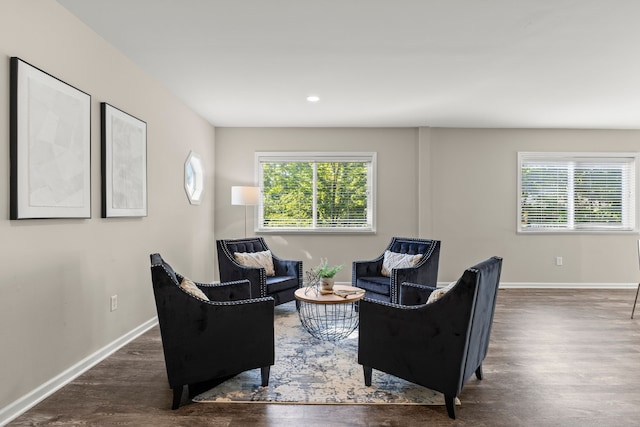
point(310, 371)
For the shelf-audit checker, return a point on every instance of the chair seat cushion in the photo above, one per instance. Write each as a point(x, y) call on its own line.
point(281, 283)
point(377, 284)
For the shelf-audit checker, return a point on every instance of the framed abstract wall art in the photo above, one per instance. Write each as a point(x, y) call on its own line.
point(124, 164)
point(50, 146)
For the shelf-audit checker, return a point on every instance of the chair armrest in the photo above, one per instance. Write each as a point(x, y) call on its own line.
point(241, 272)
point(414, 293)
point(218, 338)
point(392, 338)
point(245, 323)
point(256, 275)
point(425, 273)
point(227, 291)
point(366, 268)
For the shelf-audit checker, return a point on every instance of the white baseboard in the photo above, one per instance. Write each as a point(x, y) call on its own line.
point(534, 285)
point(23, 404)
point(531, 285)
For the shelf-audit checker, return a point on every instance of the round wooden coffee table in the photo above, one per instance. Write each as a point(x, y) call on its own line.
point(329, 317)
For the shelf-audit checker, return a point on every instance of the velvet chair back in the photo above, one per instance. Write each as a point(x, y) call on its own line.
point(438, 345)
point(208, 340)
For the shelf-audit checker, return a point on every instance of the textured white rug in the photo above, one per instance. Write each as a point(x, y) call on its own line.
point(310, 371)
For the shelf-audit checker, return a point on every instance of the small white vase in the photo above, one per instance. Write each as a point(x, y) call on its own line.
point(326, 284)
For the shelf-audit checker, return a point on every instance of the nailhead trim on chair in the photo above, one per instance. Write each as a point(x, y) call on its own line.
point(263, 275)
point(237, 302)
point(394, 278)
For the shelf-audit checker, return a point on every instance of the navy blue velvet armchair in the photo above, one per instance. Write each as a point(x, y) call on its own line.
point(438, 345)
point(281, 286)
point(368, 274)
point(208, 341)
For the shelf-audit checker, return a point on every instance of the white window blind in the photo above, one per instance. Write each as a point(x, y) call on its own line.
point(319, 192)
point(577, 192)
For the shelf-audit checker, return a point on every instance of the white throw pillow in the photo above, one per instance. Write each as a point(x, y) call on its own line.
point(440, 292)
point(256, 259)
point(396, 260)
point(189, 286)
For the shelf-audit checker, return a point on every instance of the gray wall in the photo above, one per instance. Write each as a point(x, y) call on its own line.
point(474, 184)
point(57, 275)
point(455, 185)
point(397, 199)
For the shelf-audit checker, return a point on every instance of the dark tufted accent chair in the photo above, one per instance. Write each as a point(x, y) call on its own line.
point(437, 345)
point(205, 341)
point(368, 274)
point(281, 287)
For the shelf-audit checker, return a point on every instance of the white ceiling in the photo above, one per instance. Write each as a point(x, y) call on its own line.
point(439, 63)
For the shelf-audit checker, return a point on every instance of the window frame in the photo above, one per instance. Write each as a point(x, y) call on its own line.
point(319, 157)
point(584, 157)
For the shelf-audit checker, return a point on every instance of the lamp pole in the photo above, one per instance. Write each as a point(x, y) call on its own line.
point(245, 196)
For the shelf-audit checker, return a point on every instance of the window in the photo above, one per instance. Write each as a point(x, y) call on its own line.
point(319, 192)
point(577, 192)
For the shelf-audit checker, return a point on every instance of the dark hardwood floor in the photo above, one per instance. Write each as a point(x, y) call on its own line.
point(557, 358)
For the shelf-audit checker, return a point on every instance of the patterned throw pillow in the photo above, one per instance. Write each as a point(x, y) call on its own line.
point(189, 286)
point(256, 259)
point(396, 260)
point(440, 292)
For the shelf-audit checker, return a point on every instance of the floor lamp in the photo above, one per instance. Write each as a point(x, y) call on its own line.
point(244, 196)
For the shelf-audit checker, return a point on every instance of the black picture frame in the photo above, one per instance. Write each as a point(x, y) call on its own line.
point(124, 163)
point(50, 146)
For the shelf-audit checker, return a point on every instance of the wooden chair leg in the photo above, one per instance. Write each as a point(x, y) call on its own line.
point(636, 301)
point(264, 374)
point(177, 397)
point(479, 372)
point(367, 375)
point(450, 401)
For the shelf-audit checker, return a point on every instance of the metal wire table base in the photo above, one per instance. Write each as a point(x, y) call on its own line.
point(329, 322)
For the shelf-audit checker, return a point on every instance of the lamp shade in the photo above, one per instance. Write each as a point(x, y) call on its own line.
point(244, 196)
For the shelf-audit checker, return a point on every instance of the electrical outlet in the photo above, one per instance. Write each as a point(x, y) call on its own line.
point(558, 260)
point(114, 302)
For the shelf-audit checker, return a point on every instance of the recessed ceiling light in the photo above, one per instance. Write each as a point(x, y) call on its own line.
point(313, 98)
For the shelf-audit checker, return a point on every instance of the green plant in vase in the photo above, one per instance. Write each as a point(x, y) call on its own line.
point(326, 272)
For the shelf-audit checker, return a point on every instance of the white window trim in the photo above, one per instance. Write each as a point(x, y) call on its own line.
point(320, 156)
point(551, 156)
